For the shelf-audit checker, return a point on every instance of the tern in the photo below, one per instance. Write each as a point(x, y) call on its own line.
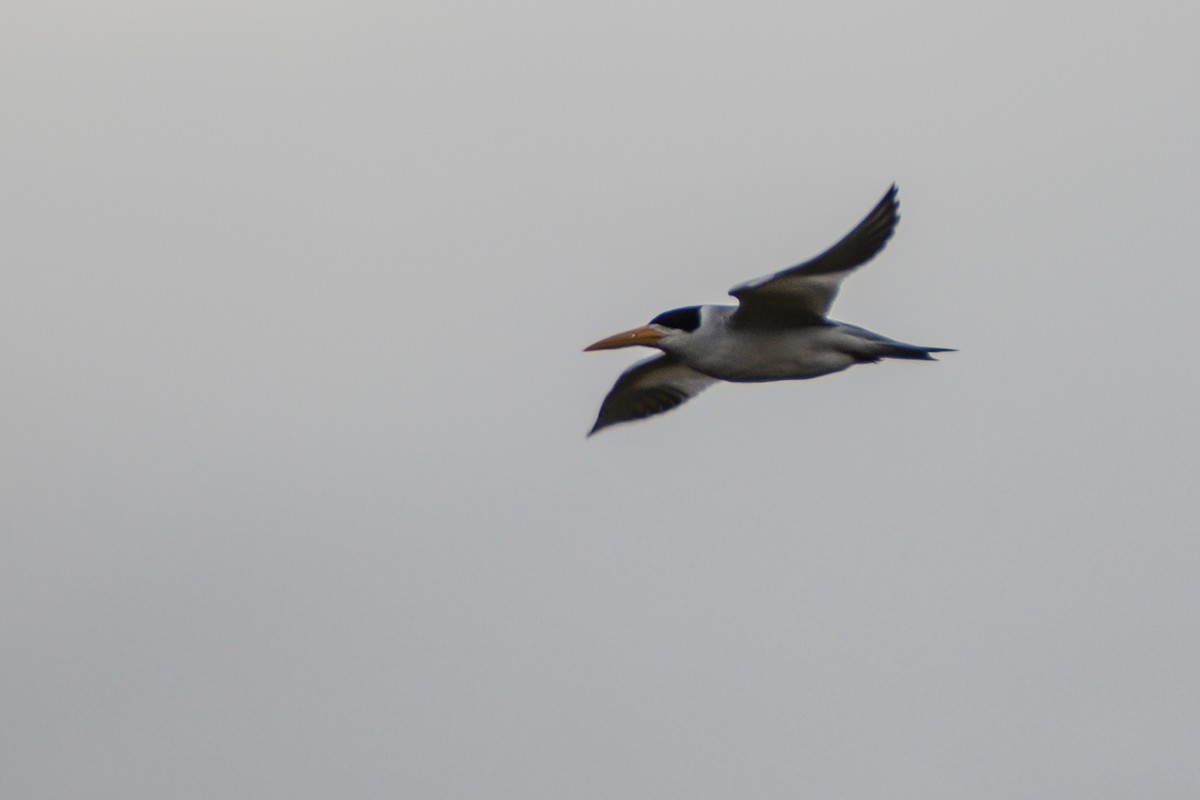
point(779, 331)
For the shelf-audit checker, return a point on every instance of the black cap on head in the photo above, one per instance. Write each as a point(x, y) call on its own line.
point(681, 319)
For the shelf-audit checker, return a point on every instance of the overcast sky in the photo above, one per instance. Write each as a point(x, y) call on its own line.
point(296, 499)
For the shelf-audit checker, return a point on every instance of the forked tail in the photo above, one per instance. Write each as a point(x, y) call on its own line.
point(914, 352)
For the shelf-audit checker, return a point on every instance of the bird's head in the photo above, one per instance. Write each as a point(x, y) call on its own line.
point(662, 332)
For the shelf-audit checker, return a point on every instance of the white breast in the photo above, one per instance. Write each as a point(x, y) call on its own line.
point(738, 354)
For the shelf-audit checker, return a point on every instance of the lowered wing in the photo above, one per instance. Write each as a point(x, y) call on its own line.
point(650, 387)
point(803, 294)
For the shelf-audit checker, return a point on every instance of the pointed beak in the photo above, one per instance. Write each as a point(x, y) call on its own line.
point(645, 336)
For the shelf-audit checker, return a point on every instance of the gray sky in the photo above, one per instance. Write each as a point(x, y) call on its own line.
point(296, 496)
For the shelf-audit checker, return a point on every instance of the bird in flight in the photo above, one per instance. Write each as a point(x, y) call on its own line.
point(778, 332)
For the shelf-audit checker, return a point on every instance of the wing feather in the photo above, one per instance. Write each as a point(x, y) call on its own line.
point(650, 387)
point(802, 295)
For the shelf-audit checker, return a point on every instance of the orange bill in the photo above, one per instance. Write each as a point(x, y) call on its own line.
point(645, 336)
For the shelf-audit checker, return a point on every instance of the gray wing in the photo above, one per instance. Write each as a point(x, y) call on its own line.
point(803, 294)
point(650, 387)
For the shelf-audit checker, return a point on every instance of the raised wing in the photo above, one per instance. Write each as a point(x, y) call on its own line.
point(650, 387)
point(803, 294)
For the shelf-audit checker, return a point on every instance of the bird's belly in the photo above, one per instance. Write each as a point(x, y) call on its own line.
point(790, 355)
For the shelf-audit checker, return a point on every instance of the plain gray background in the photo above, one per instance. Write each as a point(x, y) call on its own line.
point(296, 495)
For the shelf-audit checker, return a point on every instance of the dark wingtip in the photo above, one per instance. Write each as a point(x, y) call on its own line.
point(892, 197)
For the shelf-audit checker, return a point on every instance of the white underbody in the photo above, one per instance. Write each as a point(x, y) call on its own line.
point(722, 351)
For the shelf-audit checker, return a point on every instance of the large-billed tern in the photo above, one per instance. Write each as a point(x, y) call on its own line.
point(777, 332)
